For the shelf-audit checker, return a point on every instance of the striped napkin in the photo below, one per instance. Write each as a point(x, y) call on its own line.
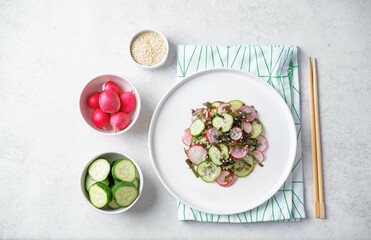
point(278, 66)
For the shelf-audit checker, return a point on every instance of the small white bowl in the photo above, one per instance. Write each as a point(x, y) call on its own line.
point(110, 157)
point(95, 85)
point(165, 56)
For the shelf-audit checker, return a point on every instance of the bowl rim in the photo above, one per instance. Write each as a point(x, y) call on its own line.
point(84, 191)
point(133, 36)
point(138, 105)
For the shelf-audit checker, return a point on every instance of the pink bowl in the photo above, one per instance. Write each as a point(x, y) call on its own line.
point(95, 85)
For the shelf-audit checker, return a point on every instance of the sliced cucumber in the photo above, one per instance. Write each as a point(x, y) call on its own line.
point(257, 129)
point(89, 181)
point(125, 193)
point(223, 123)
point(197, 127)
point(100, 195)
point(99, 169)
point(124, 170)
point(235, 104)
point(243, 167)
point(216, 104)
point(217, 154)
point(214, 109)
point(136, 182)
point(113, 204)
point(208, 171)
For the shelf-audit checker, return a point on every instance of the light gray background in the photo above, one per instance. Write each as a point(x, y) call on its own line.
point(50, 49)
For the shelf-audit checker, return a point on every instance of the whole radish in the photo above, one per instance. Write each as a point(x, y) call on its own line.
point(100, 118)
point(119, 121)
point(109, 101)
point(112, 86)
point(128, 102)
point(93, 100)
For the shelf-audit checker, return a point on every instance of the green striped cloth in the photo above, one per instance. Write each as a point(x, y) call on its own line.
point(278, 66)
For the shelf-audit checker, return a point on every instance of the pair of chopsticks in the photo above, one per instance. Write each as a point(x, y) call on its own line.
point(319, 204)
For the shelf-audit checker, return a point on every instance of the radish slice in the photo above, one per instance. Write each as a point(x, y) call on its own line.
point(250, 113)
point(236, 133)
point(201, 113)
point(258, 155)
point(247, 127)
point(223, 107)
point(238, 153)
point(262, 143)
point(226, 178)
point(187, 137)
point(211, 135)
point(197, 153)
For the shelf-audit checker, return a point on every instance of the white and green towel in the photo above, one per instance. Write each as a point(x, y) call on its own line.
point(278, 66)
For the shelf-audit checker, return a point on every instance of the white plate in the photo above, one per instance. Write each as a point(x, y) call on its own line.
point(173, 115)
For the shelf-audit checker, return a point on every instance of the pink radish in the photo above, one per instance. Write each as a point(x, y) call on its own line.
point(201, 113)
point(109, 101)
point(238, 153)
point(223, 107)
point(93, 100)
point(100, 119)
point(187, 137)
point(112, 86)
point(212, 134)
point(128, 102)
point(262, 143)
point(236, 133)
point(250, 113)
point(119, 121)
point(259, 156)
point(226, 178)
point(197, 153)
point(247, 127)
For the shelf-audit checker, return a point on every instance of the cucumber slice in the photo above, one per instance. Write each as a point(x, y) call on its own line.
point(136, 182)
point(214, 109)
point(99, 169)
point(113, 204)
point(243, 167)
point(89, 181)
point(124, 170)
point(223, 123)
point(257, 129)
point(235, 104)
point(100, 195)
point(125, 193)
point(197, 127)
point(218, 153)
point(216, 104)
point(208, 171)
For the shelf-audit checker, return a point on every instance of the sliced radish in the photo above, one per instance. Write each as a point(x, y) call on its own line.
point(187, 137)
point(212, 134)
point(250, 113)
point(223, 107)
point(247, 127)
point(262, 143)
point(201, 113)
point(197, 153)
point(238, 153)
point(226, 178)
point(236, 133)
point(258, 155)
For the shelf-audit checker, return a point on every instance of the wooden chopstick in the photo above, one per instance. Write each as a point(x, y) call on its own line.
point(318, 142)
point(313, 138)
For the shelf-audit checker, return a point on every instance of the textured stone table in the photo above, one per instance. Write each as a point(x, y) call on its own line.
point(50, 49)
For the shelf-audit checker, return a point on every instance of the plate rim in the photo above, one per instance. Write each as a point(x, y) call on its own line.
point(190, 78)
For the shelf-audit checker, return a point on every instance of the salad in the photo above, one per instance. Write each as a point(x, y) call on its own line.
point(224, 142)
